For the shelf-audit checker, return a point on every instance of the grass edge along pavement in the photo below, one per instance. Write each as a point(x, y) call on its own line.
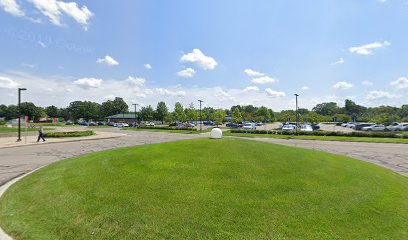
point(202, 188)
point(319, 138)
point(168, 130)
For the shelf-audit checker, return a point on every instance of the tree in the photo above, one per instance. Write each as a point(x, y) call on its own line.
point(236, 115)
point(352, 109)
point(86, 110)
point(178, 113)
point(117, 106)
point(330, 108)
point(147, 113)
point(52, 111)
point(161, 111)
point(30, 110)
point(219, 116)
point(263, 114)
point(191, 112)
point(208, 113)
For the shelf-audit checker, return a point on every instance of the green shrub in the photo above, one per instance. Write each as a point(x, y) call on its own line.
point(69, 134)
point(167, 128)
point(2, 123)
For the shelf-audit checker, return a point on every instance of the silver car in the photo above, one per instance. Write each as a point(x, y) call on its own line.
point(375, 127)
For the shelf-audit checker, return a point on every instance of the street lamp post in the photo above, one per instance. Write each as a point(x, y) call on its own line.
point(297, 114)
point(201, 120)
point(135, 104)
point(19, 113)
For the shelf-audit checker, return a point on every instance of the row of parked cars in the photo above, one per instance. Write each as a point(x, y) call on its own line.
point(376, 127)
point(302, 127)
point(244, 125)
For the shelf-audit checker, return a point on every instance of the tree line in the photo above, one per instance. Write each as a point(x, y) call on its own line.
point(323, 112)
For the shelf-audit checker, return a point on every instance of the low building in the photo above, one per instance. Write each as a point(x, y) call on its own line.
point(122, 117)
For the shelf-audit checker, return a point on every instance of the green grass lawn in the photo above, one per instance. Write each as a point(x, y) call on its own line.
point(323, 138)
point(208, 189)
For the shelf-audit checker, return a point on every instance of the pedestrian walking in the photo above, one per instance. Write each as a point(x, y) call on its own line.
point(41, 134)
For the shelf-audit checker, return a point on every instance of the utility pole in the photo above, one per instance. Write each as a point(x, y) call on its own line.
point(135, 104)
point(201, 120)
point(297, 114)
point(19, 113)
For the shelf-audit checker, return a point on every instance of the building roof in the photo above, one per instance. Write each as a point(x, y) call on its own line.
point(122, 116)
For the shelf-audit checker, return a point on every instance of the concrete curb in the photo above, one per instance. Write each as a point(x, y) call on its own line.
point(3, 189)
point(73, 140)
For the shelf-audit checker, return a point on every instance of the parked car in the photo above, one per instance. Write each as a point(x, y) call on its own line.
point(69, 123)
point(288, 127)
point(345, 124)
point(401, 127)
point(316, 127)
point(92, 124)
point(359, 126)
point(390, 127)
point(211, 123)
point(258, 124)
point(306, 128)
point(232, 125)
point(150, 124)
point(249, 126)
point(375, 127)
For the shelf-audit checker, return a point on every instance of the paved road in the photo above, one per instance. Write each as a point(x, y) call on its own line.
point(388, 155)
point(20, 160)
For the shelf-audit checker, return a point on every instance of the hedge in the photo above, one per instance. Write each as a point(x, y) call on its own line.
point(167, 128)
point(326, 133)
point(69, 134)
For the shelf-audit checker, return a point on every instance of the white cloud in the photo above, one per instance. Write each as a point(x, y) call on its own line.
point(87, 83)
point(136, 81)
point(187, 73)
point(263, 80)
point(253, 74)
point(8, 83)
point(26, 65)
point(343, 85)
point(274, 94)
point(375, 95)
point(198, 57)
point(368, 48)
point(340, 61)
point(166, 92)
point(12, 7)
point(251, 89)
point(401, 83)
point(367, 83)
point(54, 10)
point(107, 60)
point(305, 88)
point(147, 66)
point(109, 97)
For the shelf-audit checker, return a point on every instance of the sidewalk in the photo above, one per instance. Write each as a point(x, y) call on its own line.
point(9, 142)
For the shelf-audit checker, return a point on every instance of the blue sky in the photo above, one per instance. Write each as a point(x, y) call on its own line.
point(224, 52)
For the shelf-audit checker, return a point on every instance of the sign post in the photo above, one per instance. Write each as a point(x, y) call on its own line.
point(26, 125)
point(334, 125)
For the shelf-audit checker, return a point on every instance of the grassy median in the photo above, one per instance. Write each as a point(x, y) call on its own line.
point(208, 189)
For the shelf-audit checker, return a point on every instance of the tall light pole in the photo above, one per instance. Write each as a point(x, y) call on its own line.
point(201, 120)
point(19, 113)
point(135, 104)
point(297, 114)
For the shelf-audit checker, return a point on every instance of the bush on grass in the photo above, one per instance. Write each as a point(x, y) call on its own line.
point(69, 134)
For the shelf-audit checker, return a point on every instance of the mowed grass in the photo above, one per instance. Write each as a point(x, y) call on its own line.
point(208, 189)
point(183, 131)
point(321, 138)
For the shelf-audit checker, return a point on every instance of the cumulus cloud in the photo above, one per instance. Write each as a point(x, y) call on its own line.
point(107, 60)
point(274, 94)
point(368, 48)
point(197, 57)
point(251, 89)
point(87, 83)
point(54, 10)
point(367, 83)
point(253, 74)
point(343, 85)
point(12, 7)
point(263, 80)
point(187, 73)
point(375, 95)
point(166, 92)
point(8, 83)
point(400, 83)
point(305, 88)
point(147, 66)
point(136, 81)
